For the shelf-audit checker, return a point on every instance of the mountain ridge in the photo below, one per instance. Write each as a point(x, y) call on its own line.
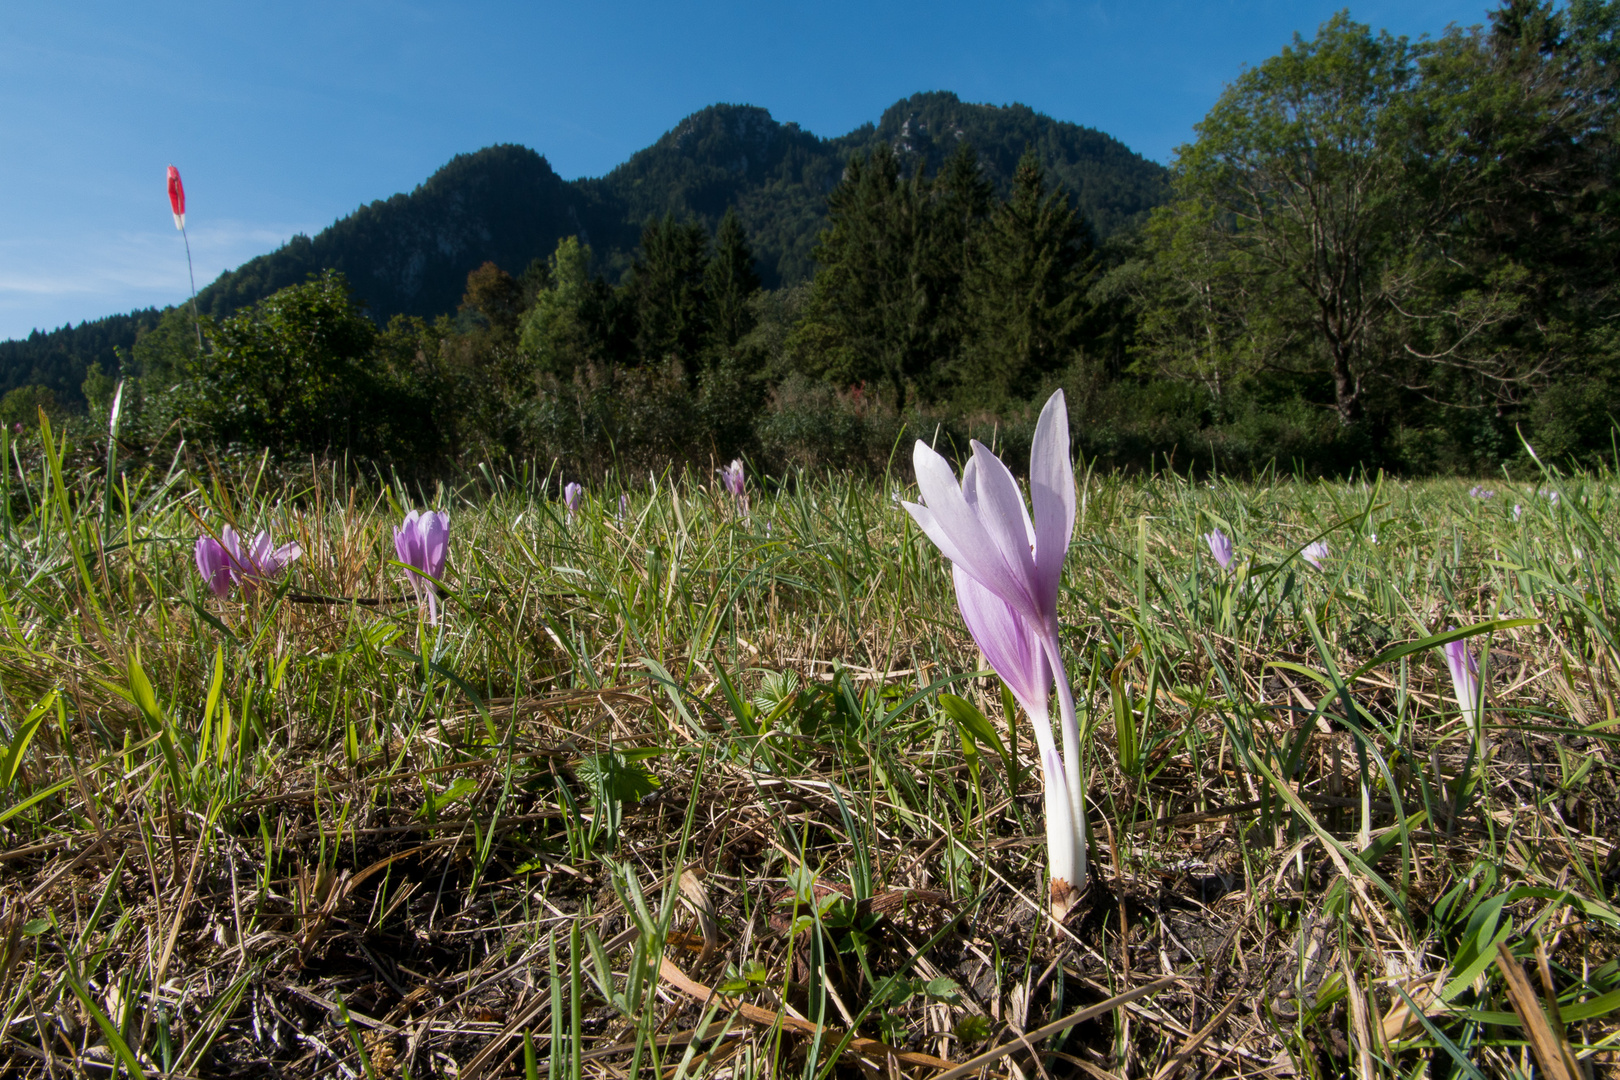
point(410, 253)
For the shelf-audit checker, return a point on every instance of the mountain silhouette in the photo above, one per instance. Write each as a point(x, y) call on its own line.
point(411, 253)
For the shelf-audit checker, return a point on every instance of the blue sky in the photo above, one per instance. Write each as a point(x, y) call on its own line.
point(284, 117)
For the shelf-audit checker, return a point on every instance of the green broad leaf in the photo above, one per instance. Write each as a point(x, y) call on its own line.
point(973, 1029)
point(35, 927)
point(1601, 1005)
point(38, 796)
point(25, 735)
point(1478, 946)
point(972, 723)
point(460, 789)
point(142, 694)
point(617, 776)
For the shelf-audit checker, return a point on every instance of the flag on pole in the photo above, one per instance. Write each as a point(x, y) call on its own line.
point(177, 198)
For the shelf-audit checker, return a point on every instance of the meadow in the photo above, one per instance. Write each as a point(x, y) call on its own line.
point(684, 787)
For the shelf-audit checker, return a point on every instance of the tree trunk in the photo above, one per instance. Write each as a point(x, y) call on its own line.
point(1346, 394)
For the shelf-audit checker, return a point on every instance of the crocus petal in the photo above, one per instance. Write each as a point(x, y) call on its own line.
point(1002, 512)
point(407, 549)
point(955, 528)
point(435, 531)
point(1051, 490)
point(285, 555)
point(1004, 638)
point(1464, 676)
point(214, 563)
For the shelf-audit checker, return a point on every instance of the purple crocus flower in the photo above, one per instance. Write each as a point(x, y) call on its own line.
point(224, 562)
point(1314, 553)
point(571, 494)
point(422, 543)
point(214, 564)
point(1007, 566)
point(734, 477)
point(259, 562)
point(1517, 510)
point(1220, 546)
point(1464, 677)
point(624, 506)
point(736, 482)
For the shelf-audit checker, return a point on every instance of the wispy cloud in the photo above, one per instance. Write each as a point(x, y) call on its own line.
point(44, 284)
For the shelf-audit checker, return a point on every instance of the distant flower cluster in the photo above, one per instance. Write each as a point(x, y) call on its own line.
point(421, 543)
point(1480, 492)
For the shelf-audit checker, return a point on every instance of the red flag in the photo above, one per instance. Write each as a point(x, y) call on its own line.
point(177, 198)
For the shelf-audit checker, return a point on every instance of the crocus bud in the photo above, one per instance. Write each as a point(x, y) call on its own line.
point(1220, 546)
point(1464, 677)
point(571, 494)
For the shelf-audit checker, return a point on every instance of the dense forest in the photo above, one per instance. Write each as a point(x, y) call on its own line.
point(1375, 252)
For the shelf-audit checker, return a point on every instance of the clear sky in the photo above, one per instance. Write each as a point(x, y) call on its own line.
point(284, 117)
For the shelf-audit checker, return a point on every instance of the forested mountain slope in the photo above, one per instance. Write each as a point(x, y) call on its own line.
point(411, 253)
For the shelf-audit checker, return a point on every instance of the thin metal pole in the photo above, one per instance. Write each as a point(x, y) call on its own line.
point(195, 321)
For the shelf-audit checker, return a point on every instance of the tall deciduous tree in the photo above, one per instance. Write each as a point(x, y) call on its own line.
point(563, 329)
point(1513, 152)
point(497, 297)
point(297, 373)
point(1296, 182)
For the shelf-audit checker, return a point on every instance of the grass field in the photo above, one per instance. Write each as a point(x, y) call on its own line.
point(675, 794)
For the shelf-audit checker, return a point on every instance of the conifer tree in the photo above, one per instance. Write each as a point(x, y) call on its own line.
point(1024, 288)
point(728, 282)
point(880, 296)
point(666, 290)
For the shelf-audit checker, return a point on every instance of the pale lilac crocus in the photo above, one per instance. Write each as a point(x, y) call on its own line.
point(214, 564)
point(1220, 546)
point(571, 494)
point(734, 478)
point(624, 506)
point(1464, 677)
point(225, 562)
point(1315, 552)
point(736, 482)
point(1517, 510)
point(422, 543)
point(258, 562)
point(1007, 566)
point(1479, 491)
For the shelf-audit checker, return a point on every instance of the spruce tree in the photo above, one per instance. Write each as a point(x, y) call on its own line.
point(666, 290)
point(728, 282)
point(878, 302)
point(1024, 289)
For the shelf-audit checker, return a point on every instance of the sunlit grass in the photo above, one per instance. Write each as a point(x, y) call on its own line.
point(648, 756)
